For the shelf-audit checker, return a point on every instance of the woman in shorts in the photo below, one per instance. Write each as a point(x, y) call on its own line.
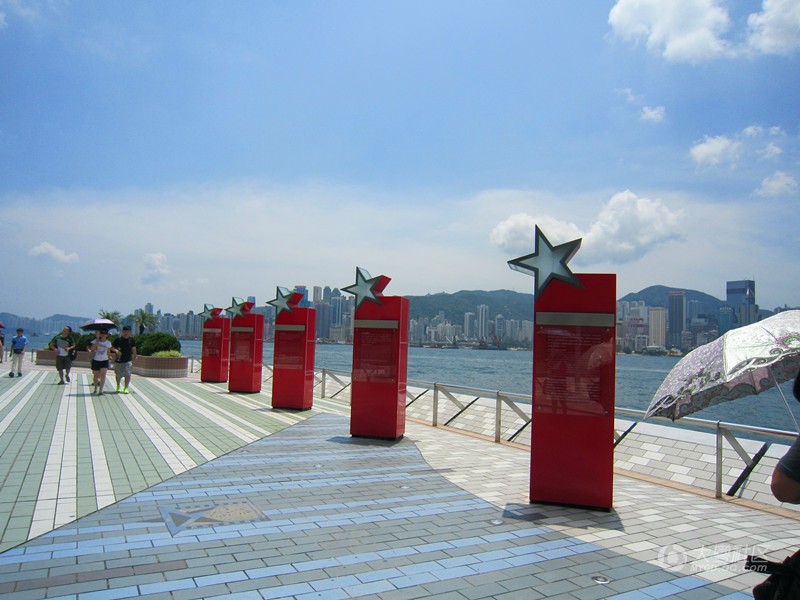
point(100, 361)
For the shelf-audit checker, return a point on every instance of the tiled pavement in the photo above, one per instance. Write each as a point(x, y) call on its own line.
point(309, 512)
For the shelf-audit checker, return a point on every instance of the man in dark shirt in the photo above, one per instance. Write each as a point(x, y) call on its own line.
point(786, 476)
point(125, 349)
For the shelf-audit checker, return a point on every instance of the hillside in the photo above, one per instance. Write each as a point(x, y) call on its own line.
point(512, 305)
point(656, 295)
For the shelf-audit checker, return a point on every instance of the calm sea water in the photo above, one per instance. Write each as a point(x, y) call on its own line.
point(638, 378)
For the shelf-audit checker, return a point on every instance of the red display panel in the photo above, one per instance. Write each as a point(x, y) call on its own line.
point(380, 369)
point(293, 362)
point(572, 436)
point(247, 347)
point(216, 350)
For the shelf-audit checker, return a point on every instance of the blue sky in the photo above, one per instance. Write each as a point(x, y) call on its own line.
point(183, 153)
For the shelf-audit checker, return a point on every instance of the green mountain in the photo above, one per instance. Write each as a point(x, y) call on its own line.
point(656, 295)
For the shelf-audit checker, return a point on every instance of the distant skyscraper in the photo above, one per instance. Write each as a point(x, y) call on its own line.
point(741, 297)
point(676, 317)
point(304, 303)
point(500, 326)
point(337, 310)
point(483, 322)
point(725, 320)
point(469, 325)
point(326, 294)
point(657, 326)
point(317, 294)
point(148, 308)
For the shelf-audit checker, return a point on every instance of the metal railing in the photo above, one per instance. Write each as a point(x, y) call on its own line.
point(457, 396)
point(463, 398)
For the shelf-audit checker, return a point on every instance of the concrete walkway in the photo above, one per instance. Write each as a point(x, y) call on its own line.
point(182, 490)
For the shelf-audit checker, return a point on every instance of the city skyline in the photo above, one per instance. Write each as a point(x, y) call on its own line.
point(182, 156)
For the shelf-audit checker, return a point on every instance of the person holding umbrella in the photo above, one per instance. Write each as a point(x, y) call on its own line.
point(100, 360)
point(785, 484)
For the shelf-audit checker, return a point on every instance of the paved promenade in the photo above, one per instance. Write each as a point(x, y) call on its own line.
point(182, 490)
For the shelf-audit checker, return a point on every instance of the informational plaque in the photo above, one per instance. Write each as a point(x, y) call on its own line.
point(216, 346)
point(572, 435)
point(247, 348)
point(380, 360)
point(293, 358)
point(574, 342)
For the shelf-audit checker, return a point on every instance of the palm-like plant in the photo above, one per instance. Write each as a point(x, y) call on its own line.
point(112, 315)
point(145, 320)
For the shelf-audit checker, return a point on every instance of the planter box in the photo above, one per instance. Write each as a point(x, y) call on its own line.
point(152, 366)
point(145, 366)
point(48, 357)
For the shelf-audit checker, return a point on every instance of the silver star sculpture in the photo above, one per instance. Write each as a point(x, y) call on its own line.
point(364, 287)
point(548, 262)
point(208, 312)
point(281, 301)
point(235, 310)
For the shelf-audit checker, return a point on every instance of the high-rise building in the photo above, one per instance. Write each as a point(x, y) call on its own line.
point(469, 325)
point(301, 289)
point(500, 327)
point(741, 297)
point(657, 326)
point(725, 319)
point(326, 294)
point(337, 311)
point(482, 325)
point(676, 318)
point(317, 297)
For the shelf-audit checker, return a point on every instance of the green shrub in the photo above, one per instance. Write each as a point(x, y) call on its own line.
point(148, 344)
point(168, 354)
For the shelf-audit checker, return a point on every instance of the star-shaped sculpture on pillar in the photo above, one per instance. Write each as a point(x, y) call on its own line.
point(281, 302)
point(209, 312)
point(548, 262)
point(367, 287)
point(236, 309)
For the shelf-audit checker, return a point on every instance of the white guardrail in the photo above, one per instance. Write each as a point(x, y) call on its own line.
point(516, 407)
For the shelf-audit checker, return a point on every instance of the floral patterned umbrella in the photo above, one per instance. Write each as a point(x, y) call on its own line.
point(744, 361)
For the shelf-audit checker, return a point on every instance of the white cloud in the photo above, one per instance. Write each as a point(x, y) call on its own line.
point(752, 131)
point(775, 30)
point(655, 114)
point(626, 228)
point(715, 150)
point(57, 254)
point(516, 234)
point(155, 268)
point(680, 30)
point(771, 151)
point(777, 184)
point(694, 30)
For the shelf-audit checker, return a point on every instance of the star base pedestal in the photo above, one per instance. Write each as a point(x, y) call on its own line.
point(380, 369)
point(572, 441)
point(216, 350)
point(247, 348)
point(293, 363)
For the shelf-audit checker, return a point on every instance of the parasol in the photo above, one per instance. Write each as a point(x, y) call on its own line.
point(742, 362)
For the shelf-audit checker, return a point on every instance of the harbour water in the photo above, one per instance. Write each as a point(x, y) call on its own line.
point(638, 378)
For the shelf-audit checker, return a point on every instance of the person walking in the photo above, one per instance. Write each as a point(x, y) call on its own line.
point(19, 343)
point(99, 350)
point(2, 345)
point(125, 349)
point(63, 345)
